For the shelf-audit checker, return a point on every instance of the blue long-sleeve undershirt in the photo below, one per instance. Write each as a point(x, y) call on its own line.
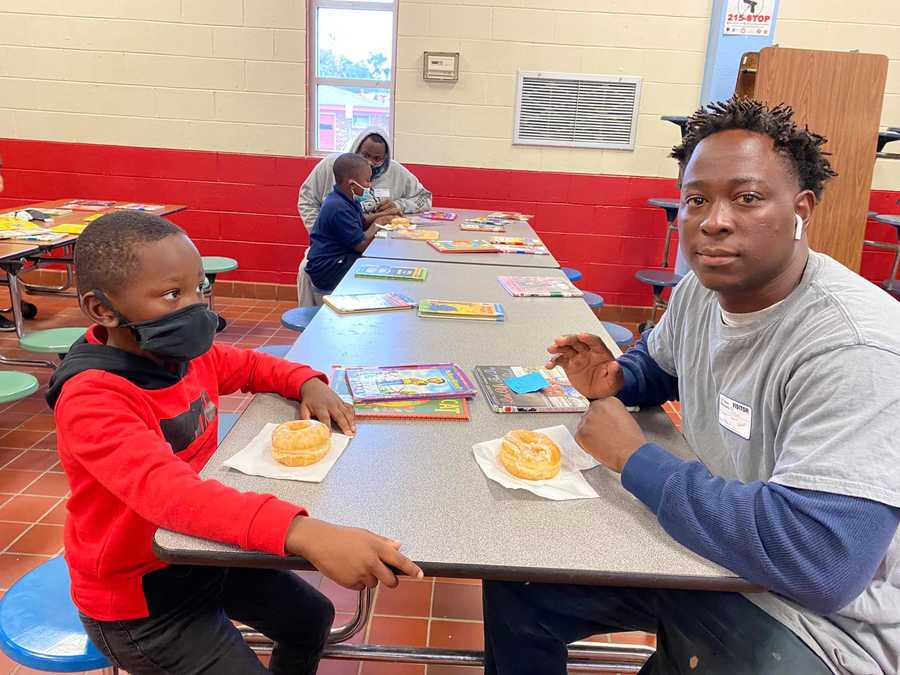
point(818, 548)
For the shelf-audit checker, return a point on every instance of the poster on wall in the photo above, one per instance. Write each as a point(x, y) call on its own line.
point(749, 17)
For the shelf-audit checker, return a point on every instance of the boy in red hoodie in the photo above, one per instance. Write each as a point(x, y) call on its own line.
point(136, 406)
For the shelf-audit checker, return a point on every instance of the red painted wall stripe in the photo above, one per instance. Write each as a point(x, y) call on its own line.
point(244, 206)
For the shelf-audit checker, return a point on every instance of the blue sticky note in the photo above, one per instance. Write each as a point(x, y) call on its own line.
point(526, 384)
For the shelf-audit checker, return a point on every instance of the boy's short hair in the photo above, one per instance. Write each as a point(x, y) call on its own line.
point(105, 253)
point(349, 165)
point(800, 147)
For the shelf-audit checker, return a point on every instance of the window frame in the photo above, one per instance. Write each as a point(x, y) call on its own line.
point(312, 62)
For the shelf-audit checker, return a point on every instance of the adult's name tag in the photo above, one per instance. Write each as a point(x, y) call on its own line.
point(381, 193)
point(735, 417)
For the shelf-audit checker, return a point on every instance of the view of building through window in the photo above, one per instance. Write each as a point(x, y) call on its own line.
point(353, 47)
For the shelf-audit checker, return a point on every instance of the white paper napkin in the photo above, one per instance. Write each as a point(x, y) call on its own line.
point(256, 459)
point(567, 484)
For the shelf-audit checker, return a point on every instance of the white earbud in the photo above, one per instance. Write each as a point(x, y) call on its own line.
point(798, 230)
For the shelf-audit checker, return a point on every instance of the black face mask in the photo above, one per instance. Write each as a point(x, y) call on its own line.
point(180, 336)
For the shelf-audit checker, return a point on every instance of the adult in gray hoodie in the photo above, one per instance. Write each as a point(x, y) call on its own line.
point(395, 191)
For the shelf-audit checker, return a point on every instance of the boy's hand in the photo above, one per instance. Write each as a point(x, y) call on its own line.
point(318, 400)
point(387, 207)
point(589, 365)
point(352, 557)
point(609, 433)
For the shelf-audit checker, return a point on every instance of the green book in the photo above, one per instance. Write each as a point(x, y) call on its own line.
point(392, 272)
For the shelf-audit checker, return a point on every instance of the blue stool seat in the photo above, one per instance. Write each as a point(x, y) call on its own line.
point(298, 319)
point(274, 350)
point(658, 278)
point(572, 274)
point(593, 300)
point(226, 421)
point(39, 625)
point(620, 335)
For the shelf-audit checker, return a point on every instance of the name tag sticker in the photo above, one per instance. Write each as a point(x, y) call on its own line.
point(735, 417)
point(381, 193)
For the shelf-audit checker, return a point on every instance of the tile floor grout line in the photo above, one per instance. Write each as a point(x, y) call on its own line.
point(29, 528)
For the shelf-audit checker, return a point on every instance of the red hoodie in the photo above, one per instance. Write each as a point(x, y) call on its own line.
point(132, 437)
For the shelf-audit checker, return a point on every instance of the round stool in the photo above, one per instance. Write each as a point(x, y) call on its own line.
point(298, 318)
point(274, 350)
point(15, 386)
point(213, 265)
point(52, 340)
point(572, 274)
point(620, 335)
point(593, 300)
point(39, 625)
point(658, 280)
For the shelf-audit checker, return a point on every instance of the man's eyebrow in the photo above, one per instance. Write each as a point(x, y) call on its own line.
point(738, 180)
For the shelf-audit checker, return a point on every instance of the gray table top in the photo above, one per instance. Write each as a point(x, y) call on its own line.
point(406, 249)
point(418, 482)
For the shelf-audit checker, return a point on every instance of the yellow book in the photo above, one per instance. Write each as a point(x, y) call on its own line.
point(71, 228)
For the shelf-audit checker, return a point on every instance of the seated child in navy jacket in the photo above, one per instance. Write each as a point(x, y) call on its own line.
point(136, 406)
point(340, 235)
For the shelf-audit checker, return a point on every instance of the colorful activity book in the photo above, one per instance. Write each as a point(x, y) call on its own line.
point(456, 409)
point(418, 235)
point(69, 228)
point(558, 396)
point(464, 246)
point(89, 205)
point(539, 287)
point(527, 249)
point(473, 226)
point(368, 302)
point(517, 241)
point(392, 272)
point(438, 215)
point(450, 309)
point(401, 383)
point(509, 215)
point(137, 206)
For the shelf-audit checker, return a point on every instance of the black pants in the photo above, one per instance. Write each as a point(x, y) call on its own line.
point(527, 628)
point(189, 629)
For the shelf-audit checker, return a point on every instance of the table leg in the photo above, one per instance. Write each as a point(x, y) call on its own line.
point(15, 297)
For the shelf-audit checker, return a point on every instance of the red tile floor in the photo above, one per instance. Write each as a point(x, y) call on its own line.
point(33, 490)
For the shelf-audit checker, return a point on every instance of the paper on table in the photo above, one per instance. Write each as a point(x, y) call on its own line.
point(528, 383)
point(568, 484)
point(256, 459)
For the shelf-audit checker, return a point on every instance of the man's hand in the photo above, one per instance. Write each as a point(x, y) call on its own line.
point(318, 400)
point(387, 207)
point(608, 432)
point(589, 365)
point(352, 557)
point(383, 219)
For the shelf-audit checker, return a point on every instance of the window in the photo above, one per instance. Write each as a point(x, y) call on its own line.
point(352, 46)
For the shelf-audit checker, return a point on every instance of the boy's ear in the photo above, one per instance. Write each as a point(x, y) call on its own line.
point(98, 312)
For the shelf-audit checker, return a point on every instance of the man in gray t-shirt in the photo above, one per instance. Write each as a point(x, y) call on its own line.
point(786, 366)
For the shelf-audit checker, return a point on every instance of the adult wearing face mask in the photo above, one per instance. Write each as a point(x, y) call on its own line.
point(394, 191)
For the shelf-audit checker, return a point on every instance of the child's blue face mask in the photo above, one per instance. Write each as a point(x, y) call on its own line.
point(364, 197)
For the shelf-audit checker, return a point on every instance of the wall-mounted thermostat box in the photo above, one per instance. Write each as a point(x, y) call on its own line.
point(441, 66)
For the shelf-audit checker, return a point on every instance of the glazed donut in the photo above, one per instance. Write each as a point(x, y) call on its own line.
point(300, 442)
point(530, 455)
point(400, 222)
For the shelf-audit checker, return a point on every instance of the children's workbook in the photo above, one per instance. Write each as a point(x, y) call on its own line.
point(438, 215)
point(69, 228)
point(89, 205)
point(517, 241)
point(539, 287)
point(392, 272)
point(450, 309)
point(368, 302)
point(400, 383)
point(557, 396)
point(473, 226)
point(464, 246)
point(456, 409)
point(136, 206)
point(417, 235)
point(509, 215)
point(526, 249)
